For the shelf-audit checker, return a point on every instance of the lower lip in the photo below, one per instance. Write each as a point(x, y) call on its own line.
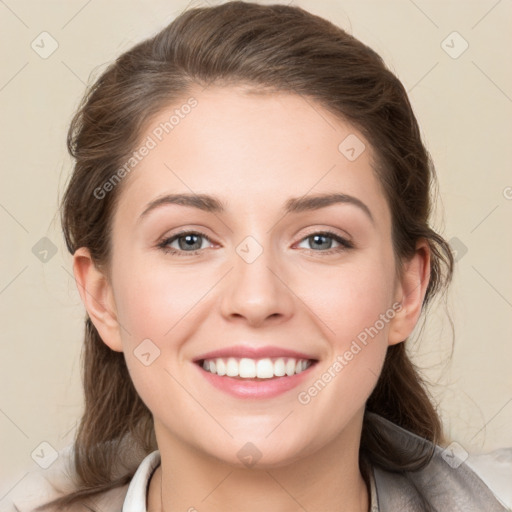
point(248, 388)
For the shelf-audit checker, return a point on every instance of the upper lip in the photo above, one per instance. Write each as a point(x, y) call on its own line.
point(240, 351)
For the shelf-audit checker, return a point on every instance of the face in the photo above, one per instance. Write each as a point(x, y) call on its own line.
point(261, 272)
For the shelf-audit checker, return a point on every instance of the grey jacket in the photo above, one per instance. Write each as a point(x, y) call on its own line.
point(446, 483)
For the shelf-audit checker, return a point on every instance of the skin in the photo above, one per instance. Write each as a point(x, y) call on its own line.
point(253, 151)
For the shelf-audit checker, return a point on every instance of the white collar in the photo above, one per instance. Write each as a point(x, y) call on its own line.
point(136, 497)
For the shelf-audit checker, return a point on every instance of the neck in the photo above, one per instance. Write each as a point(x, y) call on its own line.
point(328, 479)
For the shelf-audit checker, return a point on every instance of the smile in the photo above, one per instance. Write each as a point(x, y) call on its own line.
point(248, 378)
point(247, 368)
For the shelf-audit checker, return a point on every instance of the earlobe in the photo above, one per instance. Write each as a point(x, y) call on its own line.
point(410, 293)
point(96, 293)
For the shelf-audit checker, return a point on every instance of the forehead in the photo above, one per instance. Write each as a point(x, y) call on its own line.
point(250, 148)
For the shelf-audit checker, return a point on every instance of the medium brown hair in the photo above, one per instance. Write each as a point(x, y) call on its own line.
point(267, 47)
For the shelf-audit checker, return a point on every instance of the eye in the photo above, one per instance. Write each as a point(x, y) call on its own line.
point(189, 242)
point(321, 239)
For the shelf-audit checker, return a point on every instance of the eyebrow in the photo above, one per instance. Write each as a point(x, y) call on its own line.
point(212, 204)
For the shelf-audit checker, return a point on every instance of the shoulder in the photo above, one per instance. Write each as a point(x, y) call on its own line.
point(452, 480)
point(40, 486)
point(455, 482)
point(495, 470)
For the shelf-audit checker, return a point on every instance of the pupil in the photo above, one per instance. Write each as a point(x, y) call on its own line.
point(317, 237)
point(189, 240)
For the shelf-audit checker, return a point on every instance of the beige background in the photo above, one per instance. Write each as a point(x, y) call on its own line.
point(464, 107)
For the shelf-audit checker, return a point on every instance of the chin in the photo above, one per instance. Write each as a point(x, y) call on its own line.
point(263, 453)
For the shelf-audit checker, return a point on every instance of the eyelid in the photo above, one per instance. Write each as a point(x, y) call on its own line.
point(345, 242)
point(167, 239)
point(330, 231)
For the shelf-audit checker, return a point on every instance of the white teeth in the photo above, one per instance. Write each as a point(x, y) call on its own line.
point(279, 368)
point(221, 366)
point(290, 367)
point(247, 368)
point(232, 367)
point(265, 369)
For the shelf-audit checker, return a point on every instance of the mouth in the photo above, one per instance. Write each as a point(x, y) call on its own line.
point(251, 372)
point(248, 369)
point(247, 378)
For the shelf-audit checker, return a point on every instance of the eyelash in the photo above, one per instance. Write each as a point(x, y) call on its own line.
point(164, 244)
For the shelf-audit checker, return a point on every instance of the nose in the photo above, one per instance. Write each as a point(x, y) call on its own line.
point(256, 290)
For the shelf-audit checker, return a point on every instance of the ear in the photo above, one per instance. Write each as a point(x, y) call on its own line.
point(410, 292)
point(96, 293)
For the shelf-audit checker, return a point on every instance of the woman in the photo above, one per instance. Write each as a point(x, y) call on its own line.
point(249, 222)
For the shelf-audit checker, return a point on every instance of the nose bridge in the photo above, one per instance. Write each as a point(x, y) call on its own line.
point(255, 287)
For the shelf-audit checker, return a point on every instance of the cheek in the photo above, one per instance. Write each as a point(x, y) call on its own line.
point(156, 307)
point(152, 300)
point(351, 298)
point(356, 315)
point(356, 312)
